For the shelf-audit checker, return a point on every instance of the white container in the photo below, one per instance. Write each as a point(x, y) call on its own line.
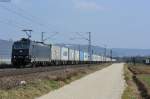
point(86, 56)
point(77, 55)
point(71, 55)
point(64, 54)
point(107, 59)
point(97, 57)
point(114, 60)
point(101, 58)
point(55, 53)
point(93, 57)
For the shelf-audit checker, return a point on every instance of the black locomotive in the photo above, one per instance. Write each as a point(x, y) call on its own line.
point(27, 52)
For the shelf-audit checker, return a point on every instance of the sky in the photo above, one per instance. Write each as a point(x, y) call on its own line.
point(115, 23)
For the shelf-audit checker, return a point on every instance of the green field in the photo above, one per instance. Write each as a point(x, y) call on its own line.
point(146, 79)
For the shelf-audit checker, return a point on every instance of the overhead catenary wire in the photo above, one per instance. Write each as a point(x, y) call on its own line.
point(21, 15)
point(15, 23)
point(14, 12)
point(89, 43)
point(51, 36)
point(20, 25)
point(32, 16)
point(10, 24)
point(81, 36)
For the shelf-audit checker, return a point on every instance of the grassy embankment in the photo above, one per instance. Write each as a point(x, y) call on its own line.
point(138, 81)
point(143, 78)
point(43, 86)
point(131, 91)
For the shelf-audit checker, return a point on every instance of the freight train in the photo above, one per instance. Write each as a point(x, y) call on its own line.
point(27, 52)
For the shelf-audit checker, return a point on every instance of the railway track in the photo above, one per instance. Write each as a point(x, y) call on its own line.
point(15, 72)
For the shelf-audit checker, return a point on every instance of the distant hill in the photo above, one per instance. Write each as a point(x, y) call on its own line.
point(117, 52)
point(6, 47)
point(131, 52)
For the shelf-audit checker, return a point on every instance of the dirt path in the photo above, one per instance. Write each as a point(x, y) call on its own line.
point(104, 84)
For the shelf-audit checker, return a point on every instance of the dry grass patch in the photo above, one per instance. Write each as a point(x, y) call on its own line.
point(30, 91)
point(42, 83)
point(140, 68)
point(131, 91)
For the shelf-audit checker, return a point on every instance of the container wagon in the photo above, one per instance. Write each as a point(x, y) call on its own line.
point(26, 52)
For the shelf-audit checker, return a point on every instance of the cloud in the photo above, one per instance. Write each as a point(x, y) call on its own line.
point(88, 5)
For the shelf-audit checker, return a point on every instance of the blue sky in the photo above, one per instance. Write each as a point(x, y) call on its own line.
point(117, 23)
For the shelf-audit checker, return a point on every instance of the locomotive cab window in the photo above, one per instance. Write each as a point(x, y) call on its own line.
point(21, 45)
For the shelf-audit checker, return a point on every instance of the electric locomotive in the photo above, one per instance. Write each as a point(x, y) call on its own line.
point(26, 52)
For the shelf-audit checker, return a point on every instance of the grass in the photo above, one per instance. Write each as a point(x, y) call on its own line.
point(36, 89)
point(146, 79)
point(30, 91)
point(41, 87)
point(131, 90)
point(141, 72)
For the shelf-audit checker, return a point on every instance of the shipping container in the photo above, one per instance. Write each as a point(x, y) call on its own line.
point(71, 55)
point(86, 56)
point(93, 57)
point(98, 58)
point(101, 58)
point(64, 54)
point(55, 52)
point(77, 55)
point(81, 56)
point(108, 59)
point(114, 60)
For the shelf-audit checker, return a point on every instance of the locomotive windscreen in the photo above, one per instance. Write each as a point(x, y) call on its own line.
point(23, 44)
point(20, 45)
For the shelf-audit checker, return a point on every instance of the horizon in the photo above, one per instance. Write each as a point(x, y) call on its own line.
point(92, 45)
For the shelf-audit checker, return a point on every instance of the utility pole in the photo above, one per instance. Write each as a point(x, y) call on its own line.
point(89, 39)
point(111, 54)
point(90, 47)
point(28, 32)
point(105, 53)
point(79, 50)
point(42, 37)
